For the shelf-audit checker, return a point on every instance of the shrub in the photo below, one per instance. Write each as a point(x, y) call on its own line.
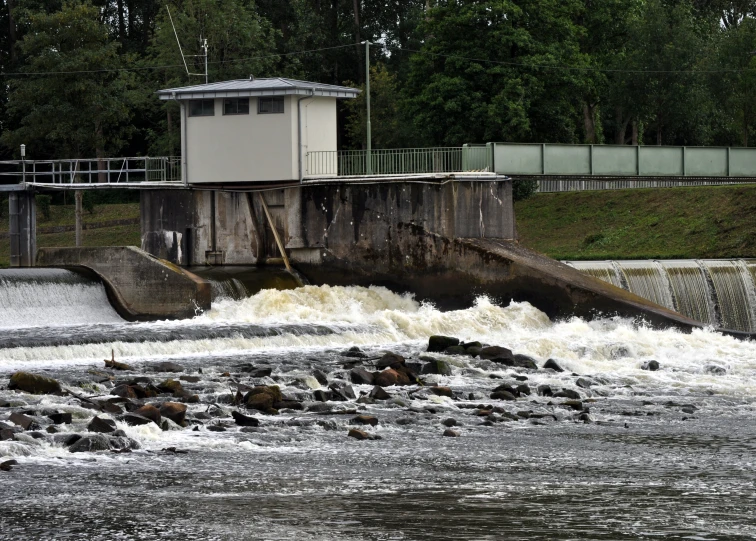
point(43, 205)
point(87, 202)
point(523, 188)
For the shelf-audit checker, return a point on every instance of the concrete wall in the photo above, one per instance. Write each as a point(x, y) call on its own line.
point(256, 147)
point(183, 226)
point(139, 286)
point(22, 213)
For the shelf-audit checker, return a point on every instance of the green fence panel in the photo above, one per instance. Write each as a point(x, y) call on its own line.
point(742, 162)
point(615, 160)
point(518, 159)
point(660, 161)
point(567, 159)
point(706, 162)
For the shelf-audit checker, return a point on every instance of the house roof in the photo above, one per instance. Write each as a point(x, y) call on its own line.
point(275, 86)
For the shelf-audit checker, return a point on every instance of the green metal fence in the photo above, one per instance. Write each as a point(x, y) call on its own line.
point(623, 161)
point(163, 169)
point(401, 161)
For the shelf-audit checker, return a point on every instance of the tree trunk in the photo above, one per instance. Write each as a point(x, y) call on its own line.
point(100, 153)
point(121, 22)
point(11, 30)
point(358, 35)
point(620, 126)
point(589, 122)
point(78, 198)
point(635, 132)
point(658, 129)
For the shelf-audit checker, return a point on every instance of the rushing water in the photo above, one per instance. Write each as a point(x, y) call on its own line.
point(668, 454)
point(718, 292)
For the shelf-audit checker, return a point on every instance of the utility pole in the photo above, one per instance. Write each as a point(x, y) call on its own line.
point(367, 92)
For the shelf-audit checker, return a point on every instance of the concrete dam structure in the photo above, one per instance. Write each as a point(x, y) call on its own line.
point(447, 242)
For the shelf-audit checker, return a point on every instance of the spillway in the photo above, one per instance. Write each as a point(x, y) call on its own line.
point(717, 292)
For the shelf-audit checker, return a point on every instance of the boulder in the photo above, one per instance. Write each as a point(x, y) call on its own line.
point(455, 350)
point(7, 435)
point(442, 391)
point(167, 367)
point(288, 405)
point(525, 361)
point(449, 433)
point(390, 360)
point(378, 393)
point(133, 419)
point(361, 376)
point(652, 366)
point(6, 465)
point(320, 376)
point(171, 386)
point(503, 395)
point(124, 391)
point(715, 370)
point(523, 389)
point(60, 418)
point(34, 384)
point(473, 351)
point(321, 396)
point(438, 343)
point(174, 411)
point(583, 383)
point(468, 345)
point(150, 412)
point(497, 354)
point(244, 420)
point(567, 393)
point(365, 420)
point(190, 379)
point(390, 377)
point(263, 397)
point(553, 365)
point(361, 435)
point(258, 371)
point(99, 424)
point(437, 366)
point(95, 442)
point(544, 390)
point(341, 391)
point(449, 422)
point(574, 404)
point(508, 388)
point(109, 407)
point(24, 421)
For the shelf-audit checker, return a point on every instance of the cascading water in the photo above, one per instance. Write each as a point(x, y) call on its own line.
point(720, 293)
point(38, 297)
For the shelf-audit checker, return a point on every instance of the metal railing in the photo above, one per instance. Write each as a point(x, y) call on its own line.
point(399, 161)
point(75, 172)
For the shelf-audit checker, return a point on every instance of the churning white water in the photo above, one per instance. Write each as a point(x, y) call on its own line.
point(647, 454)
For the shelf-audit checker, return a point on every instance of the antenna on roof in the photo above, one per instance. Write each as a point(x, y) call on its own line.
point(203, 46)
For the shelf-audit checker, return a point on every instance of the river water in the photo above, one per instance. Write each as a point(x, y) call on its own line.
point(667, 454)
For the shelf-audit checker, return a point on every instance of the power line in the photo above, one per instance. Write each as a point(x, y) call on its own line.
point(401, 50)
point(167, 66)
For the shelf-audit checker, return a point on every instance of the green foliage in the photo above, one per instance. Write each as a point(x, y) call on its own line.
point(523, 188)
point(87, 202)
point(68, 114)
point(43, 205)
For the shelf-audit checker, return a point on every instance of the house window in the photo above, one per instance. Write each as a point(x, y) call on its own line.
point(270, 105)
point(201, 108)
point(236, 106)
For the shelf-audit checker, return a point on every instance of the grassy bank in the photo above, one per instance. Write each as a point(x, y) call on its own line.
point(701, 222)
point(63, 215)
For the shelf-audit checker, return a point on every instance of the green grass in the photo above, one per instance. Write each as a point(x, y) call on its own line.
point(701, 222)
point(121, 235)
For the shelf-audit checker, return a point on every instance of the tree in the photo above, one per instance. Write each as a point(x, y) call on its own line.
point(77, 107)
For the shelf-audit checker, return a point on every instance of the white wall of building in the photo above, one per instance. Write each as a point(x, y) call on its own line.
point(257, 147)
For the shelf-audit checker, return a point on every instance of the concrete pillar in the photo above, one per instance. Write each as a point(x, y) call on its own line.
point(78, 198)
point(23, 229)
point(293, 204)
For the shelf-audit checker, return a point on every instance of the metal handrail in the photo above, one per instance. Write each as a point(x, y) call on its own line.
point(94, 170)
point(398, 161)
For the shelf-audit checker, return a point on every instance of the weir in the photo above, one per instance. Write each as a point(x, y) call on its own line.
point(717, 292)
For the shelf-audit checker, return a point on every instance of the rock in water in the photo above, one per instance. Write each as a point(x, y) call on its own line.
point(525, 361)
point(61, 418)
point(168, 367)
point(6, 466)
point(150, 412)
point(438, 343)
point(136, 420)
point(390, 360)
point(455, 350)
point(362, 435)
point(378, 393)
point(498, 355)
point(436, 366)
point(24, 421)
point(97, 442)
point(244, 420)
point(652, 366)
point(263, 397)
point(174, 411)
point(365, 420)
point(390, 377)
point(34, 384)
point(98, 424)
point(449, 433)
point(551, 363)
point(361, 376)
